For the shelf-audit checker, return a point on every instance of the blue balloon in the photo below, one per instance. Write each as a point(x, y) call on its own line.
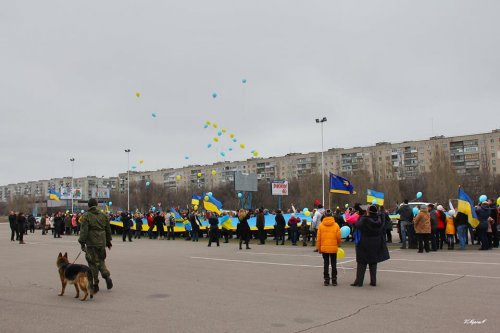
point(252, 151)
point(214, 95)
point(415, 211)
point(209, 194)
point(374, 201)
point(186, 157)
point(483, 198)
point(345, 231)
point(240, 195)
point(110, 203)
point(230, 149)
point(133, 167)
point(419, 195)
point(148, 183)
point(219, 133)
point(222, 154)
point(244, 81)
point(205, 126)
point(305, 210)
point(209, 145)
point(153, 115)
point(234, 140)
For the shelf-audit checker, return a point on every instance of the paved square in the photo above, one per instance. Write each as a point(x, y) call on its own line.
point(179, 286)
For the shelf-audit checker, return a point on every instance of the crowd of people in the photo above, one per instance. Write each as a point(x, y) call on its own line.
point(426, 228)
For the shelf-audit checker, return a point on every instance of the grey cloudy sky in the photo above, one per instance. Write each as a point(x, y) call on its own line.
point(379, 70)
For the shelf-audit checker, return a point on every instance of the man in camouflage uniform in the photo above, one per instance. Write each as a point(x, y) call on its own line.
point(95, 236)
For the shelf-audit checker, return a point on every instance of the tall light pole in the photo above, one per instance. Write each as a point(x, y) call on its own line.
point(128, 179)
point(72, 160)
point(321, 121)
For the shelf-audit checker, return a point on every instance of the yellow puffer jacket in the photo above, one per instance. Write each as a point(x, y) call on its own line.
point(328, 237)
point(450, 226)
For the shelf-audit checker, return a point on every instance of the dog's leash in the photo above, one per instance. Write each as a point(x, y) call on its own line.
point(76, 257)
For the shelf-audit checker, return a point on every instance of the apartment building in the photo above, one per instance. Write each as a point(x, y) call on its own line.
point(468, 155)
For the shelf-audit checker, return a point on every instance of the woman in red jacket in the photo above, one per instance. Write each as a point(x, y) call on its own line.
point(327, 243)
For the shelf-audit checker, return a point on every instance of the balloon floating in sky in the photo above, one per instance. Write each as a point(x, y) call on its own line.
point(110, 203)
point(209, 145)
point(153, 115)
point(148, 183)
point(219, 133)
point(214, 125)
point(224, 130)
point(141, 162)
point(242, 146)
point(244, 81)
point(255, 153)
point(216, 139)
point(137, 94)
point(222, 154)
point(134, 167)
point(235, 140)
point(178, 177)
point(199, 174)
point(214, 95)
point(252, 151)
point(214, 172)
point(231, 136)
point(205, 126)
point(230, 149)
point(240, 195)
point(208, 122)
point(419, 195)
point(186, 157)
point(483, 198)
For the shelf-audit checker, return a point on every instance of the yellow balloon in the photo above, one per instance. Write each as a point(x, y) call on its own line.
point(208, 122)
point(255, 153)
point(231, 136)
point(141, 161)
point(498, 202)
point(242, 146)
point(214, 125)
point(199, 174)
point(137, 94)
point(223, 130)
point(206, 198)
point(340, 253)
point(216, 139)
point(308, 213)
point(214, 172)
point(178, 177)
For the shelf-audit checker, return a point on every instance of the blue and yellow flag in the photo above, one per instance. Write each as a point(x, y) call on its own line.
point(372, 196)
point(53, 195)
point(212, 204)
point(466, 206)
point(340, 185)
point(195, 200)
point(226, 222)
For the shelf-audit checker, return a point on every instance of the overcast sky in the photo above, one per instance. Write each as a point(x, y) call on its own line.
point(378, 70)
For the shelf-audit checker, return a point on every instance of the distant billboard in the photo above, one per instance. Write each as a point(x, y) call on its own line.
point(279, 187)
point(101, 193)
point(67, 194)
point(244, 182)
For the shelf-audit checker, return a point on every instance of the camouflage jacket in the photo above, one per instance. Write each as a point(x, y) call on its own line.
point(95, 230)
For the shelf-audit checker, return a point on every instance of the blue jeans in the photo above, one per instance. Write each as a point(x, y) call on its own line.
point(462, 235)
point(403, 226)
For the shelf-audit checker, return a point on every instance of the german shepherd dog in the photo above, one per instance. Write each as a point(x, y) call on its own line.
point(79, 275)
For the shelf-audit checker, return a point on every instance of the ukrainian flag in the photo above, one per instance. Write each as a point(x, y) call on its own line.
point(212, 204)
point(53, 195)
point(372, 195)
point(195, 200)
point(340, 185)
point(466, 206)
point(226, 222)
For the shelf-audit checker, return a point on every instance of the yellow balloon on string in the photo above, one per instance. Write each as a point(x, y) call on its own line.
point(255, 153)
point(208, 122)
point(214, 172)
point(223, 130)
point(242, 146)
point(216, 139)
point(231, 135)
point(141, 161)
point(199, 174)
point(137, 94)
point(214, 125)
point(178, 177)
point(340, 253)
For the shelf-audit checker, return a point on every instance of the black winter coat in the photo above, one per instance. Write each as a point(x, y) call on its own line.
point(243, 228)
point(261, 221)
point(127, 222)
point(405, 213)
point(280, 222)
point(13, 221)
point(371, 248)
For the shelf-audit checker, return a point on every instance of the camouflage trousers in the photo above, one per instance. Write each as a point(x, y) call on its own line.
point(95, 258)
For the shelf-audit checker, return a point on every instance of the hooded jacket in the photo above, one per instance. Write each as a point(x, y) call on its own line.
point(328, 237)
point(95, 230)
point(372, 247)
point(422, 222)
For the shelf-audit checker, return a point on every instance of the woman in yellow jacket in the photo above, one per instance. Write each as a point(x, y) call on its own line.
point(450, 229)
point(327, 243)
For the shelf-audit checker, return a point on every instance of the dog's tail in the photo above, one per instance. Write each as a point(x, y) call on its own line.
point(90, 286)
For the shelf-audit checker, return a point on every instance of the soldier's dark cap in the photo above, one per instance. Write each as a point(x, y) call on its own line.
point(92, 202)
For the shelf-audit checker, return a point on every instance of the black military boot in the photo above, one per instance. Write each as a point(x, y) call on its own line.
point(109, 283)
point(96, 288)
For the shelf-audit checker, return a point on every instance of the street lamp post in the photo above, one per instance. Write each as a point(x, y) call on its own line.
point(321, 121)
point(72, 160)
point(128, 179)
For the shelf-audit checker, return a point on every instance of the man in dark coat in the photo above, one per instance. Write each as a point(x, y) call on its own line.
point(127, 224)
point(261, 224)
point(21, 225)
point(58, 224)
point(483, 214)
point(405, 218)
point(31, 223)
point(371, 248)
point(13, 226)
point(279, 227)
point(193, 220)
point(213, 233)
point(159, 221)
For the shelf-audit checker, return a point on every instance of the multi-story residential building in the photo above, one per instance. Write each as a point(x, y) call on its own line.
point(468, 155)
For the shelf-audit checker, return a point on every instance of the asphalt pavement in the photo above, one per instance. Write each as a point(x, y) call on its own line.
point(182, 286)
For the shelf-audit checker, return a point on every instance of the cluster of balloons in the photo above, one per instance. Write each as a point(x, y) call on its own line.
point(306, 212)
